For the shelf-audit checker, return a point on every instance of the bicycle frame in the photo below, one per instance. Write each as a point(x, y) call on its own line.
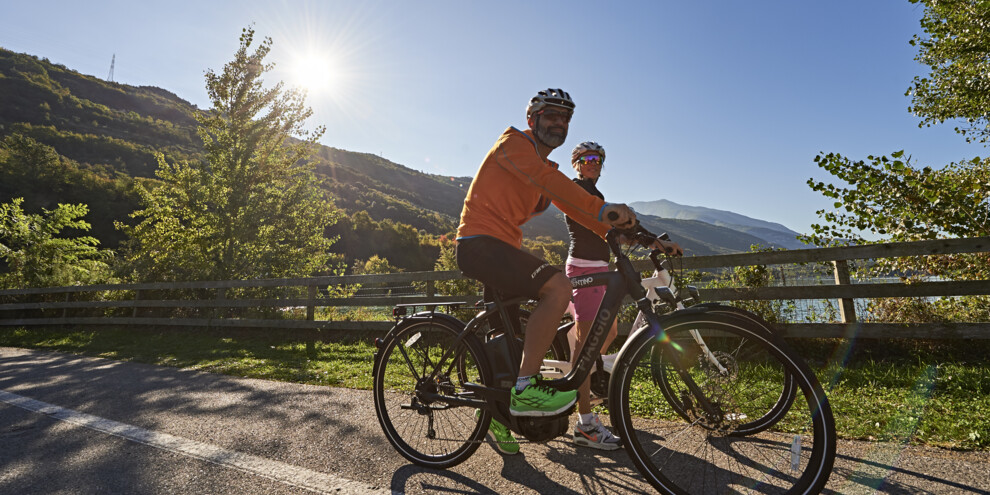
point(623, 280)
point(661, 279)
point(607, 312)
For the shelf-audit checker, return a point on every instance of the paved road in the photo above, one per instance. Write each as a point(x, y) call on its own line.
point(78, 425)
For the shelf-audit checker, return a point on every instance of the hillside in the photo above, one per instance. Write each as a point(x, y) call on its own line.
point(103, 136)
point(99, 139)
point(771, 233)
point(696, 237)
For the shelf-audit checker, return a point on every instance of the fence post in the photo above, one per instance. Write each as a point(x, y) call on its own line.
point(65, 310)
point(221, 296)
point(846, 307)
point(431, 289)
point(138, 295)
point(311, 304)
point(310, 316)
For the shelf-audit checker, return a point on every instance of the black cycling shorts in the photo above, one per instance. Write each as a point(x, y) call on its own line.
point(494, 263)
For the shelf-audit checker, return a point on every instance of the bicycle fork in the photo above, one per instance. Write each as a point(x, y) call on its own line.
point(671, 352)
point(662, 279)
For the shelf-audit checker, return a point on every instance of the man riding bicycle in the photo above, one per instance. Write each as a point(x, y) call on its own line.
point(515, 182)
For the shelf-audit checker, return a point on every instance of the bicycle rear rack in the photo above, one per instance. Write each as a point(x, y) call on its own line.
point(400, 310)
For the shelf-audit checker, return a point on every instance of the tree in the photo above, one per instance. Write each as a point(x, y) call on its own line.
point(890, 198)
point(36, 172)
point(36, 256)
point(894, 200)
point(956, 47)
point(253, 208)
point(447, 261)
point(375, 264)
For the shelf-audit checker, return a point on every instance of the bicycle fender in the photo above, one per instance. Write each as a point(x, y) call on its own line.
point(738, 312)
point(429, 316)
point(417, 318)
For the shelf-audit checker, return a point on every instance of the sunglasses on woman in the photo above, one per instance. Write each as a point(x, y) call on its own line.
point(590, 159)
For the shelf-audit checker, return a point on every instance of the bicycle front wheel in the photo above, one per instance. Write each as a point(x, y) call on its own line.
point(417, 366)
point(692, 447)
point(715, 360)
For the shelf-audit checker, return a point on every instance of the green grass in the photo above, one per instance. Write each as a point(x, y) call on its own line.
point(912, 392)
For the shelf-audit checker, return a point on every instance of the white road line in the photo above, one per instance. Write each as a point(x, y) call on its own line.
point(267, 468)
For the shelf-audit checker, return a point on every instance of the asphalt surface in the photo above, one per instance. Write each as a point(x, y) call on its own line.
point(79, 425)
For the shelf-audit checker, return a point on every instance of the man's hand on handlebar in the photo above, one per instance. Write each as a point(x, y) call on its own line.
point(619, 216)
point(669, 247)
point(639, 235)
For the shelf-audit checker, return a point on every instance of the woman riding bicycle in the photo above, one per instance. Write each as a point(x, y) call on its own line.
point(588, 253)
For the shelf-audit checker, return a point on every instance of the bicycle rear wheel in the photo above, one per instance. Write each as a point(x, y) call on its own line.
point(411, 379)
point(694, 450)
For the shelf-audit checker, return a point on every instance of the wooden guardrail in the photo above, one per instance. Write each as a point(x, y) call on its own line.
point(230, 303)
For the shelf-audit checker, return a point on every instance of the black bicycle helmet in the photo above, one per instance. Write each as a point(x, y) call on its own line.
point(553, 97)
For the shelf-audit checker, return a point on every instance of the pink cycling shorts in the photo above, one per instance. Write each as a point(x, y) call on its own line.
point(585, 302)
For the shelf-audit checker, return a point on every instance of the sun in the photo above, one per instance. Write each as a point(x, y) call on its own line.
point(313, 72)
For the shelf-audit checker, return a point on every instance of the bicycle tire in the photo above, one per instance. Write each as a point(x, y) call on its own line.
point(432, 434)
point(681, 456)
point(762, 422)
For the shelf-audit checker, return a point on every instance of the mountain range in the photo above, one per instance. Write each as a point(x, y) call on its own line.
point(107, 135)
point(773, 234)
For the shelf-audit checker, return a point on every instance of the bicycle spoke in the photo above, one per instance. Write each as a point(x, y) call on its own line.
point(422, 371)
point(412, 367)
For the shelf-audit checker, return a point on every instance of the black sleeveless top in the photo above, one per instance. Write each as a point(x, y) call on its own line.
point(586, 244)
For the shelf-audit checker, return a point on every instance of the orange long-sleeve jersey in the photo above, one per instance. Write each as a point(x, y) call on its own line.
point(515, 184)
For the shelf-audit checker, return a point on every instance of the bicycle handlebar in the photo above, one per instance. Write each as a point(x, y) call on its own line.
point(640, 236)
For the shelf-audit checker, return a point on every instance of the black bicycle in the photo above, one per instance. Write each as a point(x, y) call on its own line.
point(668, 299)
point(438, 382)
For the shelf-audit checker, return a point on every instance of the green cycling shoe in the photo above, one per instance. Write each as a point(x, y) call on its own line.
point(501, 436)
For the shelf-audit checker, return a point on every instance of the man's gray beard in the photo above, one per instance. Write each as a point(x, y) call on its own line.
point(551, 140)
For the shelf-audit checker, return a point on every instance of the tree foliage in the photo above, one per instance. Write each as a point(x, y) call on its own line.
point(361, 237)
point(37, 256)
point(891, 199)
point(375, 264)
point(44, 178)
point(253, 208)
point(447, 261)
point(956, 48)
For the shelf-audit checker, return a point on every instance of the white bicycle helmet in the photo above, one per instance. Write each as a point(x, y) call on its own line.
point(586, 147)
point(553, 97)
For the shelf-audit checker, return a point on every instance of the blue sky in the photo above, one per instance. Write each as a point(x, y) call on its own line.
point(722, 104)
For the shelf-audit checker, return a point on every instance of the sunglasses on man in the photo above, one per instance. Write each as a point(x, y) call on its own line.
point(555, 115)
